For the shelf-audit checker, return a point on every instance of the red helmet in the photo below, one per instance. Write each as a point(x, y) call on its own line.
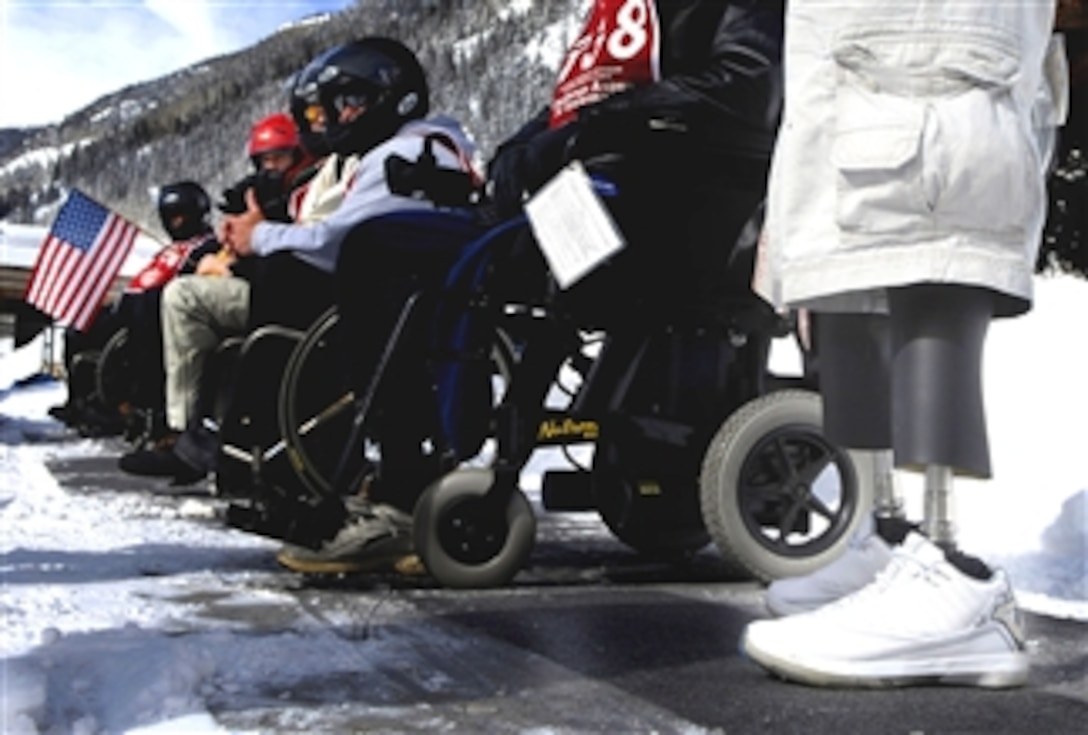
point(277, 132)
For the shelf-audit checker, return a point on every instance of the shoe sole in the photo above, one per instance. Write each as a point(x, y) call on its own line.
point(388, 559)
point(993, 671)
point(140, 472)
point(410, 566)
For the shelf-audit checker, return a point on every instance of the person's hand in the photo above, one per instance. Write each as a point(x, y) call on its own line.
point(237, 230)
point(519, 169)
point(216, 264)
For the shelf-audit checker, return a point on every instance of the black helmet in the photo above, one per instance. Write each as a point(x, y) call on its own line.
point(380, 75)
point(189, 200)
point(303, 102)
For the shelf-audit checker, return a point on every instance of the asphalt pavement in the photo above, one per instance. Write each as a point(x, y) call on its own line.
point(593, 638)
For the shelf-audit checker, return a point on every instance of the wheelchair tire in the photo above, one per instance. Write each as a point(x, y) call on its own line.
point(778, 499)
point(305, 418)
point(462, 541)
point(83, 378)
point(113, 370)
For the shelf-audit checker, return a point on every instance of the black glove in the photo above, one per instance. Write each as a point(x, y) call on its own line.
point(520, 168)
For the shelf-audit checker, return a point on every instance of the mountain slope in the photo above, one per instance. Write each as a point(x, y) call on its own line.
point(489, 63)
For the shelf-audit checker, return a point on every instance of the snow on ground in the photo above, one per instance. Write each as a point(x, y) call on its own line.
point(105, 597)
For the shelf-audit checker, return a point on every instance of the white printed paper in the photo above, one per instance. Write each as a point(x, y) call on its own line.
point(572, 227)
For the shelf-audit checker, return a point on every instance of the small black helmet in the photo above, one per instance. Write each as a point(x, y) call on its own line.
point(184, 209)
point(382, 77)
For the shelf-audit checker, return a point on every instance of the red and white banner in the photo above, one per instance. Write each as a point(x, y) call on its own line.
point(618, 48)
point(166, 264)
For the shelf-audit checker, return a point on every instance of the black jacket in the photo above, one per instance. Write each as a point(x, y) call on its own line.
point(721, 77)
point(720, 95)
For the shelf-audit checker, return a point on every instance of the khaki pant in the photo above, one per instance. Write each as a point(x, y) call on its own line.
point(198, 313)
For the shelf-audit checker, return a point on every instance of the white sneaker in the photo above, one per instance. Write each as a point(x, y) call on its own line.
point(864, 557)
point(921, 621)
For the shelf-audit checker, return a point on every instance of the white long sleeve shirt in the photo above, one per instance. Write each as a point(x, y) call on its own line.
point(367, 194)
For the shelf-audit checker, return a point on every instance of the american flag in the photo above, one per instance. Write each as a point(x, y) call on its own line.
point(78, 261)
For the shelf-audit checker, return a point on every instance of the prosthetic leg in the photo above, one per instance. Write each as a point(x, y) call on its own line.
point(939, 427)
point(924, 612)
point(911, 380)
point(855, 364)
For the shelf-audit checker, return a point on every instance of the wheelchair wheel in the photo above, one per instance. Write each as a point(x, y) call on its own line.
point(83, 378)
point(778, 499)
point(113, 370)
point(316, 406)
point(468, 541)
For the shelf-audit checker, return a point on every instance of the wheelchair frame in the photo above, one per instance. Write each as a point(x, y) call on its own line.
point(755, 467)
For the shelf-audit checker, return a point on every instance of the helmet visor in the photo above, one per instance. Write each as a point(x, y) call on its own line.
point(345, 97)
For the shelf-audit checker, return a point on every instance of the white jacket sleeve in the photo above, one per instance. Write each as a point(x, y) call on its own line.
point(367, 196)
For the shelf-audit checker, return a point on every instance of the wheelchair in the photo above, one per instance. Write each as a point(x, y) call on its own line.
point(115, 383)
point(282, 434)
point(691, 439)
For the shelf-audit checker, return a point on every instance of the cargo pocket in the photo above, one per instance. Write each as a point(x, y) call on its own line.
point(928, 134)
point(879, 171)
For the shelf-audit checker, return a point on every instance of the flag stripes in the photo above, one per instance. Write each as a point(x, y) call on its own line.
point(79, 260)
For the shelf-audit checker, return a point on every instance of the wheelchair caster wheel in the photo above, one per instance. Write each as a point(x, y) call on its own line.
point(465, 539)
point(778, 498)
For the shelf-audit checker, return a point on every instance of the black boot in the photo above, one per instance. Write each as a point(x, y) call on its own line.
point(161, 461)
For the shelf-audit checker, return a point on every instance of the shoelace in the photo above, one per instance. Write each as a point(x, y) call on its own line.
point(902, 566)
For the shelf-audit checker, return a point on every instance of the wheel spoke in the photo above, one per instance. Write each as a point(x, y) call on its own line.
point(818, 507)
point(765, 490)
point(815, 466)
point(329, 412)
point(787, 470)
point(788, 521)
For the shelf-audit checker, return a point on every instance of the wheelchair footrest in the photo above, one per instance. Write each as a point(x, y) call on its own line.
point(566, 490)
